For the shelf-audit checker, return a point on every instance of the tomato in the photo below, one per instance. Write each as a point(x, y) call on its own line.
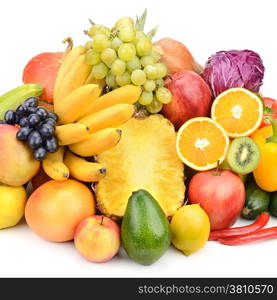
point(270, 110)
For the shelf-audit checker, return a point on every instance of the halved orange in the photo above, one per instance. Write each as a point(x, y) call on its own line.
point(202, 143)
point(238, 111)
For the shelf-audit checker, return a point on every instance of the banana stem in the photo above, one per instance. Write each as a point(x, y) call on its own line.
point(69, 47)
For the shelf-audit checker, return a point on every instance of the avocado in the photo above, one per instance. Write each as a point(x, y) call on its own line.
point(145, 230)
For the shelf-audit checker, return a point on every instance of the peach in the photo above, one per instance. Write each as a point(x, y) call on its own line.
point(16, 160)
point(54, 210)
point(97, 238)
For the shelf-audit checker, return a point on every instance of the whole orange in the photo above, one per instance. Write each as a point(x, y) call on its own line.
point(55, 209)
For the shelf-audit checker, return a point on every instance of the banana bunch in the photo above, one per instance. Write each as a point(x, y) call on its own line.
point(72, 73)
point(60, 165)
point(87, 121)
point(86, 118)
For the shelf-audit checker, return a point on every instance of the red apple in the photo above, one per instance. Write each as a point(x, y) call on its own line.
point(220, 193)
point(42, 69)
point(97, 238)
point(191, 97)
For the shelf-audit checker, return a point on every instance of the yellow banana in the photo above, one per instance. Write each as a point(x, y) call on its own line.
point(66, 64)
point(75, 77)
point(113, 116)
point(69, 108)
point(97, 142)
point(71, 133)
point(127, 94)
point(83, 170)
point(54, 166)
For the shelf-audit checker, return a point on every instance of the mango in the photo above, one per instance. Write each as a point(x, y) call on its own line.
point(17, 165)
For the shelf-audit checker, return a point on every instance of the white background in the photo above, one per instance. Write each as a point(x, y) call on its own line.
point(30, 27)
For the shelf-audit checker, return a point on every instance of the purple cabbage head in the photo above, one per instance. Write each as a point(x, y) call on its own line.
point(235, 68)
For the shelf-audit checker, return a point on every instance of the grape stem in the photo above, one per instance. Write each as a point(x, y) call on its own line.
point(169, 76)
point(113, 33)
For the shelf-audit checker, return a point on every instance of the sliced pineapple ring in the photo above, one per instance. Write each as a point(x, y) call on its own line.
point(145, 158)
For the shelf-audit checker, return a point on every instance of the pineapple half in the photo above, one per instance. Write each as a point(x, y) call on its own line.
point(145, 158)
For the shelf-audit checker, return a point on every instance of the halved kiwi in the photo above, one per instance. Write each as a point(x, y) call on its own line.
point(243, 155)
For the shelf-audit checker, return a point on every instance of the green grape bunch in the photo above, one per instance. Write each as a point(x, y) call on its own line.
point(125, 55)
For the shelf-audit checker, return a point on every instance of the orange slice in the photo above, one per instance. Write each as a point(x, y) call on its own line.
point(202, 143)
point(238, 111)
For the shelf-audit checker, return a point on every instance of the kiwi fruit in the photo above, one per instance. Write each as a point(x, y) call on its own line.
point(243, 155)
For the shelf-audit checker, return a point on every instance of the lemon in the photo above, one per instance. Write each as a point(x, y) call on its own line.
point(190, 227)
point(12, 205)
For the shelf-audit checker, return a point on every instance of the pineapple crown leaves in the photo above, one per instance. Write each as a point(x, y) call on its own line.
point(152, 32)
point(140, 24)
point(91, 22)
point(140, 21)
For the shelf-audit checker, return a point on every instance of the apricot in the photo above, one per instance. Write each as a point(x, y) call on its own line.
point(54, 210)
point(97, 238)
point(17, 165)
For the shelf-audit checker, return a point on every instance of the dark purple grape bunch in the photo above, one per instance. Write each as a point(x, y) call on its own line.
point(37, 127)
